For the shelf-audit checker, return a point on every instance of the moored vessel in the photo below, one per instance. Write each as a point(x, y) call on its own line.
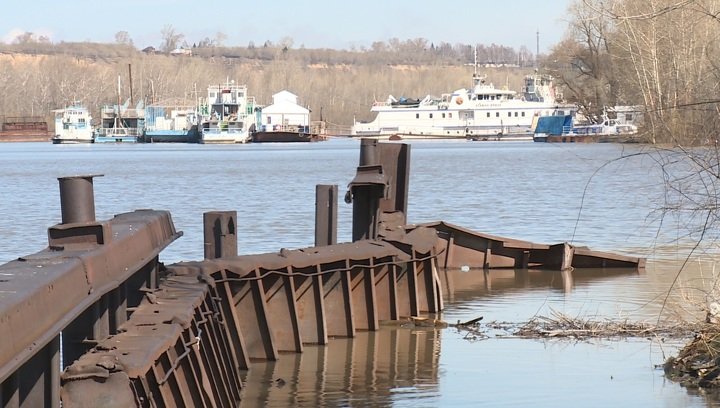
point(286, 121)
point(478, 113)
point(565, 129)
point(24, 129)
point(121, 123)
point(73, 125)
point(227, 114)
point(171, 122)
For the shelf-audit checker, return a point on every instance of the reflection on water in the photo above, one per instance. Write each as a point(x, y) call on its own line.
point(466, 285)
point(531, 191)
point(410, 366)
point(373, 369)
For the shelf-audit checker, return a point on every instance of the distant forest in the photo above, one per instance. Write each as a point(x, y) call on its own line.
point(394, 51)
point(338, 85)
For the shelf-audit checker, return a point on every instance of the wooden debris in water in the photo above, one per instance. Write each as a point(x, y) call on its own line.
point(561, 326)
point(697, 365)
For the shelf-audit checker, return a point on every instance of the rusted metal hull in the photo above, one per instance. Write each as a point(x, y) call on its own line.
point(24, 129)
point(286, 137)
point(187, 342)
point(137, 333)
point(466, 248)
point(81, 285)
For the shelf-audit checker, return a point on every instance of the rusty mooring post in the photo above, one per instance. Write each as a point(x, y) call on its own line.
point(379, 192)
point(77, 200)
point(368, 149)
point(220, 230)
point(395, 160)
point(366, 190)
point(78, 225)
point(326, 214)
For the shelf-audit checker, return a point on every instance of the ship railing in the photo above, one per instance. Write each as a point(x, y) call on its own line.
point(286, 128)
point(118, 132)
point(217, 131)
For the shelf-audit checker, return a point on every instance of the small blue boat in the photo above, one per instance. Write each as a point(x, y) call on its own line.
point(171, 123)
point(120, 124)
point(562, 128)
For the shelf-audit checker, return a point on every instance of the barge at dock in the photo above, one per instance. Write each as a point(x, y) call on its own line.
point(286, 121)
point(24, 129)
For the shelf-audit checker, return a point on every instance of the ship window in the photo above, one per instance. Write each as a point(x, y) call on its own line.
point(516, 114)
point(430, 116)
point(492, 98)
point(269, 120)
point(628, 117)
point(450, 115)
point(417, 116)
point(509, 114)
point(522, 114)
point(443, 116)
point(488, 114)
point(497, 114)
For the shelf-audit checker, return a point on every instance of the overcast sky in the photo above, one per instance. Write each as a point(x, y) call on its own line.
point(312, 23)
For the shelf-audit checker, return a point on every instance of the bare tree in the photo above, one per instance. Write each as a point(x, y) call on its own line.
point(122, 37)
point(170, 38)
point(220, 38)
point(25, 38)
point(286, 43)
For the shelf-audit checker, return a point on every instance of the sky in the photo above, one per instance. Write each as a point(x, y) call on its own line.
point(339, 24)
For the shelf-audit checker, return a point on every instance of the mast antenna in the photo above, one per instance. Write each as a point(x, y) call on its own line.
point(475, 60)
point(537, 47)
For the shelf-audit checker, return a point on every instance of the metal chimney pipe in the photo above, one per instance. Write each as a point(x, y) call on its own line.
point(368, 149)
point(77, 200)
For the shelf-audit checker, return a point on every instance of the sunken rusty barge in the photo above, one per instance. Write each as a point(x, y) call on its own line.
point(136, 332)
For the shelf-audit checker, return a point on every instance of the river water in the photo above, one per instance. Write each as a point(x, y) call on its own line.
point(547, 193)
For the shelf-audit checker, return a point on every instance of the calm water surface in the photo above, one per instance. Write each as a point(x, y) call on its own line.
point(545, 193)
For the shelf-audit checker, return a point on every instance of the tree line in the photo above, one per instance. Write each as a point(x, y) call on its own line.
point(659, 54)
point(339, 86)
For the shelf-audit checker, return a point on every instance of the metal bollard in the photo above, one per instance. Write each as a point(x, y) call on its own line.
point(220, 231)
point(326, 214)
point(77, 199)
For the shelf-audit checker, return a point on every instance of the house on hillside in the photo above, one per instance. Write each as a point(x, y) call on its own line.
point(284, 113)
point(181, 51)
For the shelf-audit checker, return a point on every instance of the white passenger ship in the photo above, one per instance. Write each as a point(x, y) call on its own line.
point(483, 112)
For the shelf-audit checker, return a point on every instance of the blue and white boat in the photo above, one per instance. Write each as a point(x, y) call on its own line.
point(72, 125)
point(564, 128)
point(228, 114)
point(169, 122)
point(120, 124)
